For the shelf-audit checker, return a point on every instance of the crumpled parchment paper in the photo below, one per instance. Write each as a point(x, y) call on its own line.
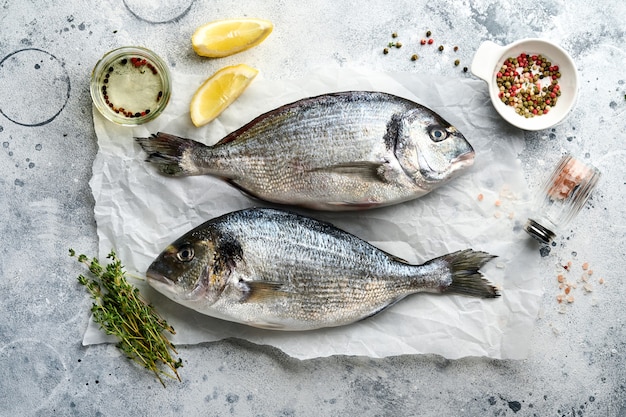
point(139, 212)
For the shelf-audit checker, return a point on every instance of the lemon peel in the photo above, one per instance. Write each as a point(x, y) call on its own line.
point(226, 37)
point(219, 91)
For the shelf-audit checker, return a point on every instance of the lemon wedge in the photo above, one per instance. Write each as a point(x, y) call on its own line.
point(219, 91)
point(229, 36)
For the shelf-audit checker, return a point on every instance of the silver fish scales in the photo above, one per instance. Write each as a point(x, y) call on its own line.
point(339, 151)
point(275, 269)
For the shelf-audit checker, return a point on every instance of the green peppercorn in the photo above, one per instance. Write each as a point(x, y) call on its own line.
point(441, 47)
point(456, 62)
point(414, 57)
point(428, 33)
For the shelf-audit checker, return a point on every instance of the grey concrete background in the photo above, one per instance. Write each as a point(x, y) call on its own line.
point(576, 365)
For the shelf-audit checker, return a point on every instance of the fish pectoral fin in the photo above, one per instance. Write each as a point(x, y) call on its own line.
point(254, 291)
point(365, 169)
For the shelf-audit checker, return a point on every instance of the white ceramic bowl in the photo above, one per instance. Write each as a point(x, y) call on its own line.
point(489, 59)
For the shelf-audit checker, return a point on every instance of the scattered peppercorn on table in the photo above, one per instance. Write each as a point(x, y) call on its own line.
point(576, 354)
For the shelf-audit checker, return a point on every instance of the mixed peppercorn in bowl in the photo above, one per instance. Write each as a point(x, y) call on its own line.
point(533, 83)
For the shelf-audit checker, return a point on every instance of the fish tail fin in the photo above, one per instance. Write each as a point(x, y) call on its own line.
point(464, 267)
point(171, 154)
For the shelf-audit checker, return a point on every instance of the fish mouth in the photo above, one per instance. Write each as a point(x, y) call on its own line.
point(465, 159)
point(165, 286)
point(170, 288)
point(454, 167)
point(158, 278)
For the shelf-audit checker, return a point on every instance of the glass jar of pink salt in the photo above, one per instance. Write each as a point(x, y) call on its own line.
point(561, 197)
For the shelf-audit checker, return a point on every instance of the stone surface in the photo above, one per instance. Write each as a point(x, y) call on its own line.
point(576, 366)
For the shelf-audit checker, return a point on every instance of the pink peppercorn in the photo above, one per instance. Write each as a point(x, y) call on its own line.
point(522, 84)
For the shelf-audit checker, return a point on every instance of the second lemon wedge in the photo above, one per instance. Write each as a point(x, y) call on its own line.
point(219, 91)
point(229, 36)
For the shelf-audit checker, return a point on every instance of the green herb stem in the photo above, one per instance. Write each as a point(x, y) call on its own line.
point(120, 310)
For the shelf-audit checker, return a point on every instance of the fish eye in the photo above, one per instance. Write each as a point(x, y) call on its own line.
point(185, 253)
point(437, 134)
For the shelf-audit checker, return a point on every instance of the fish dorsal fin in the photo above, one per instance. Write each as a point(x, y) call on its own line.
point(394, 258)
point(229, 138)
point(255, 291)
point(397, 259)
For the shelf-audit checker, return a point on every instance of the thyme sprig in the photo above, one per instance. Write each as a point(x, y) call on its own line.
point(120, 310)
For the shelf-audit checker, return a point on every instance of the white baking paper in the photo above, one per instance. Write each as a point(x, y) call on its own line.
point(139, 212)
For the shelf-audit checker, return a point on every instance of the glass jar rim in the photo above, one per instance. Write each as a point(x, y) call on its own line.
point(105, 63)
